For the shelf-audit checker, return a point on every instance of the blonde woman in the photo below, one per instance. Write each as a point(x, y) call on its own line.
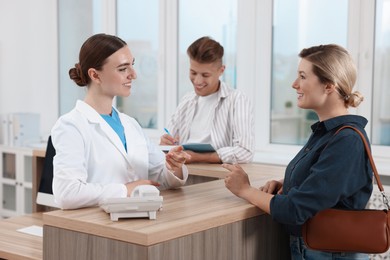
point(339, 176)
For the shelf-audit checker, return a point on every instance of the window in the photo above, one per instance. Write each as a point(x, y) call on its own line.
point(207, 18)
point(381, 95)
point(271, 34)
point(138, 25)
point(299, 24)
point(77, 20)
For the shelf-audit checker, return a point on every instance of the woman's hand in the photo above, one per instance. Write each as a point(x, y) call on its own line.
point(237, 180)
point(175, 159)
point(131, 185)
point(273, 187)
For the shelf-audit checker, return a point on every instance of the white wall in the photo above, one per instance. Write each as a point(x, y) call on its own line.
point(28, 59)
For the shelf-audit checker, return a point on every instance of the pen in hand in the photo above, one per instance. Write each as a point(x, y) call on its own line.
point(169, 133)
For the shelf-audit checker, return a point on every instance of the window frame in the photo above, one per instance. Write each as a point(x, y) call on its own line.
point(254, 50)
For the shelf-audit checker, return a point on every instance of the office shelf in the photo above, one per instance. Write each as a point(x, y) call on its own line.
point(15, 181)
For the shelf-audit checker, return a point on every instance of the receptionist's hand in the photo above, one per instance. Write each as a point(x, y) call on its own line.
point(175, 159)
point(131, 185)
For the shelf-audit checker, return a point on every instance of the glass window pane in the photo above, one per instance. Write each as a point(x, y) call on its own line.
point(77, 20)
point(143, 43)
point(207, 18)
point(381, 104)
point(28, 168)
point(9, 197)
point(299, 24)
point(9, 166)
point(27, 200)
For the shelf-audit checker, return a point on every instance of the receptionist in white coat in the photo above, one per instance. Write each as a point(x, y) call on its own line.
point(100, 152)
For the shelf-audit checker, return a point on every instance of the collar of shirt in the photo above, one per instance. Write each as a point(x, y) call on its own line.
point(335, 122)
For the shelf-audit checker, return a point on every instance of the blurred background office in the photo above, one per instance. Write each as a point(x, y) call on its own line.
point(40, 39)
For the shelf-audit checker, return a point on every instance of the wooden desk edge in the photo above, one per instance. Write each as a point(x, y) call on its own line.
point(39, 152)
point(146, 238)
point(23, 251)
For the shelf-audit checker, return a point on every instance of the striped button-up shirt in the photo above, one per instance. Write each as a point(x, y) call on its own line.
point(232, 130)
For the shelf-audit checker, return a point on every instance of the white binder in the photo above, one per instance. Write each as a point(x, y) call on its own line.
point(4, 129)
point(23, 129)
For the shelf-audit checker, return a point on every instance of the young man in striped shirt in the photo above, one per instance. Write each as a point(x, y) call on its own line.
point(214, 113)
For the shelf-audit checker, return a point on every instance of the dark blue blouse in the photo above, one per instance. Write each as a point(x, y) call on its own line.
point(339, 176)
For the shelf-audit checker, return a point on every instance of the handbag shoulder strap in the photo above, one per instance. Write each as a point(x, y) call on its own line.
point(368, 151)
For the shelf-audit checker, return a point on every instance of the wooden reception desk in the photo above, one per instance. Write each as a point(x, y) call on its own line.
point(200, 221)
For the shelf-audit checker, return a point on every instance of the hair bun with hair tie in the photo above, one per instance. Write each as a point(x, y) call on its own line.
point(80, 72)
point(78, 69)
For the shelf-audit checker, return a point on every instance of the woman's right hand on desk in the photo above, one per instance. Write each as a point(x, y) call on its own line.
point(273, 187)
point(131, 185)
point(237, 180)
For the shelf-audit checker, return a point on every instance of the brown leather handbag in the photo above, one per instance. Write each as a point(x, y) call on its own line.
point(364, 231)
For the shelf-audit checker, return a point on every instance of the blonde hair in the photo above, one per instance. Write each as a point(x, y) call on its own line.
point(333, 64)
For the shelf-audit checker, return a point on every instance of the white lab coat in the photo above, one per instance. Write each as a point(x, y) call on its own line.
point(91, 163)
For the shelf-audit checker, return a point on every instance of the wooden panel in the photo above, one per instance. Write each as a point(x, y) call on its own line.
point(254, 238)
point(66, 244)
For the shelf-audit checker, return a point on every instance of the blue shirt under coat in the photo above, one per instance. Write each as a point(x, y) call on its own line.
point(339, 176)
point(114, 121)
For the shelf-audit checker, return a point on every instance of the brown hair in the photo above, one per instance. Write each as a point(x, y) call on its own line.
point(205, 50)
point(333, 64)
point(93, 54)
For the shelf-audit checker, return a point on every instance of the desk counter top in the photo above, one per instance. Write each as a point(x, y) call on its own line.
point(39, 152)
point(217, 171)
point(16, 245)
point(186, 210)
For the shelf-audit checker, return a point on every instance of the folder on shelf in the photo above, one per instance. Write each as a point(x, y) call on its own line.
point(23, 129)
point(4, 129)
